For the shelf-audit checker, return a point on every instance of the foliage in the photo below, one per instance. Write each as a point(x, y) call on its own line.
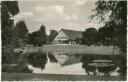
point(53, 34)
point(115, 26)
point(105, 35)
point(78, 40)
point(120, 61)
point(38, 37)
point(117, 13)
point(23, 68)
point(8, 9)
point(89, 36)
point(8, 56)
point(21, 32)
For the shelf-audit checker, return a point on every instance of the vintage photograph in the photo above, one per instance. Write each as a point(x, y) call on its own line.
point(64, 40)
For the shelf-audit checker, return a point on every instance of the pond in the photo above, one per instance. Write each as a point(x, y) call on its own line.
point(68, 63)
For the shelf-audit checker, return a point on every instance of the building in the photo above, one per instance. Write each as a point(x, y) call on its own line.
point(66, 36)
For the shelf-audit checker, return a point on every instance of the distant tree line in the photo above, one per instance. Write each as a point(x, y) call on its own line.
point(38, 38)
point(102, 36)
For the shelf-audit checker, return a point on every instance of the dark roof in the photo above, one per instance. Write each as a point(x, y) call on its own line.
point(72, 34)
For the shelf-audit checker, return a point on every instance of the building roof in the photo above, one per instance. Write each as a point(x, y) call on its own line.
point(72, 34)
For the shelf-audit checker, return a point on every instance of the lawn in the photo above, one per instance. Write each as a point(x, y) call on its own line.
point(76, 49)
point(57, 77)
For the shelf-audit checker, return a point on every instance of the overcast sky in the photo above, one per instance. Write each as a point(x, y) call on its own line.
point(57, 14)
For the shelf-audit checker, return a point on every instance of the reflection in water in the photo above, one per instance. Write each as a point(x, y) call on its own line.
point(52, 58)
point(85, 60)
point(66, 64)
point(98, 64)
point(76, 64)
point(37, 59)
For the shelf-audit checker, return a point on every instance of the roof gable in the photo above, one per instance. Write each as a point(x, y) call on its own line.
point(61, 34)
point(72, 34)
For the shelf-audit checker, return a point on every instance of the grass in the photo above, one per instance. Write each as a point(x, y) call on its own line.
point(76, 49)
point(57, 77)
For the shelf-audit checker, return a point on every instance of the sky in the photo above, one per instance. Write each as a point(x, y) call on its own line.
point(57, 14)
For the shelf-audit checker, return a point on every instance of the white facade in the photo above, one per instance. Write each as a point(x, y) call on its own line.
point(60, 37)
point(67, 37)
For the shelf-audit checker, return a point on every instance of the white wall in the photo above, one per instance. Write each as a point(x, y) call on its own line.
point(61, 36)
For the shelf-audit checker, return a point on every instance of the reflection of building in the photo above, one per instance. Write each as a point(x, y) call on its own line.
point(66, 59)
point(68, 37)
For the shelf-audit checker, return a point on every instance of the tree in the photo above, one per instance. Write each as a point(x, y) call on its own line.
point(101, 35)
point(117, 13)
point(105, 35)
point(89, 36)
point(29, 37)
point(53, 34)
point(43, 36)
point(8, 10)
point(21, 33)
point(38, 37)
point(32, 38)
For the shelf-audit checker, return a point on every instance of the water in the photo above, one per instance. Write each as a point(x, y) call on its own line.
point(69, 64)
point(65, 65)
point(73, 64)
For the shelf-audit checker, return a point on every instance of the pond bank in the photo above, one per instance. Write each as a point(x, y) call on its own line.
point(59, 77)
point(75, 49)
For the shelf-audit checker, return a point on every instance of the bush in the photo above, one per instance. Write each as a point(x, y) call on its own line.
point(9, 56)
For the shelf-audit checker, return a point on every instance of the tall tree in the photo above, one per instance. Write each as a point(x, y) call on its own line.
point(21, 32)
point(117, 13)
point(53, 34)
point(42, 33)
point(38, 37)
point(89, 36)
point(8, 10)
